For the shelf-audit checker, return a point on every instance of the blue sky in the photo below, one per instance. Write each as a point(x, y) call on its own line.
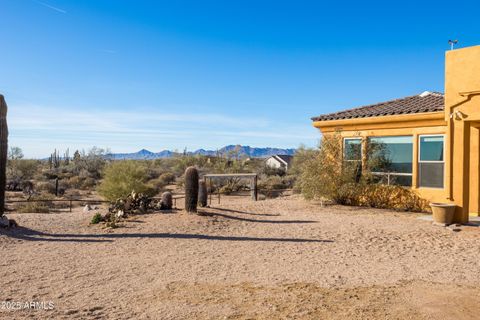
point(202, 74)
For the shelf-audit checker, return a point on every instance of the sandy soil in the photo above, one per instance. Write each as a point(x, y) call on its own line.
point(274, 259)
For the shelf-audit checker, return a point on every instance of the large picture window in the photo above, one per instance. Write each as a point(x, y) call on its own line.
point(431, 163)
point(390, 159)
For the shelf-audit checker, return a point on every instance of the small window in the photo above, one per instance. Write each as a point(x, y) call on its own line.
point(352, 149)
point(431, 165)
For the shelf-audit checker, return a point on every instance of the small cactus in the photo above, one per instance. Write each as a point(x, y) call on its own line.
point(3, 152)
point(202, 194)
point(166, 203)
point(191, 189)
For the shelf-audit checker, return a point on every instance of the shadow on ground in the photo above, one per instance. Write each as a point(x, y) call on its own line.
point(223, 215)
point(245, 212)
point(27, 234)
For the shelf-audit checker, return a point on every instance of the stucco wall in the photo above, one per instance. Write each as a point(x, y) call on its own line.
point(430, 194)
point(460, 123)
point(462, 111)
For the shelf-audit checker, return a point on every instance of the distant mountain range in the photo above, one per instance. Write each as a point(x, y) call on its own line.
point(245, 151)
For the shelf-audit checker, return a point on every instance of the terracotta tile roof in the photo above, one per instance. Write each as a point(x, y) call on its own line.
point(424, 102)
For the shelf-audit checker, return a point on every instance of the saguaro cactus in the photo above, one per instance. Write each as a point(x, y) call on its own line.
point(191, 189)
point(202, 194)
point(56, 187)
point(3, 152)
point(166, 202)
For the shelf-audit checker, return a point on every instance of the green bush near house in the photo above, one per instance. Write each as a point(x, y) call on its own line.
point(324, 175)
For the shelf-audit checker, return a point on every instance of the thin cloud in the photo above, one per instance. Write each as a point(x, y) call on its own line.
point(50, 6)
point(32, 116)
point(39, 129)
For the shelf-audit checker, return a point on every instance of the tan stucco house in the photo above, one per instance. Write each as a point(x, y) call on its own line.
point(433, 139)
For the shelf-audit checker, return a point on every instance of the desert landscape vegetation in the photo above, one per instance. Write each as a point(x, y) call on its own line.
point(281, 257)
point(324, 173)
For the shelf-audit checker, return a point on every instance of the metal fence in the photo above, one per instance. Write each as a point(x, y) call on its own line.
point(217, 194)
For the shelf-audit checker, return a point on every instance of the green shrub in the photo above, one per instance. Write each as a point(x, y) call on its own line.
point(123, 177)
point(320, 172)
point(97, 218)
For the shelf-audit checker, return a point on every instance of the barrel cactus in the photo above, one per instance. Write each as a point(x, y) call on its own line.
point(191, 189)
point(3, 152)
point(167, 201)
point(202, 194)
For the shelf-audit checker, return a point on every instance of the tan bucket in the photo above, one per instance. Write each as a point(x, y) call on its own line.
point(443, 212)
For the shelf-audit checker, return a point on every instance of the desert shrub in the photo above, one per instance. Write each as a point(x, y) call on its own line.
point(91, 162)
point(161, 180)
point(270, 171)
point(123, 177)
point(167, 178)
point(289, 180)
point(272, 186)
point(78, 182)
point(88, 183)
point(157, 184)
point(152, 172)
point(22, 169)
point(74, 182)
point(48, 174)
point(180, 181)
point(72, 193)
point(271, 183)
point(33, 207)
point(381, 196)
point(45, 187)
point(36, 207)
point(96, 219)
point(231, 185)
point(322, 174)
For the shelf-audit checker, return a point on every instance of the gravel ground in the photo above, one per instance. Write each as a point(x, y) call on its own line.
point(276, 259)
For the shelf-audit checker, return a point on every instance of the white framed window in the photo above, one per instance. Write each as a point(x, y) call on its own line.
point(391, 159)
point(352, 149)
point(431, 161)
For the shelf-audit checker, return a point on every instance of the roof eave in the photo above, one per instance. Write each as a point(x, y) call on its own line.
point(438, 116)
